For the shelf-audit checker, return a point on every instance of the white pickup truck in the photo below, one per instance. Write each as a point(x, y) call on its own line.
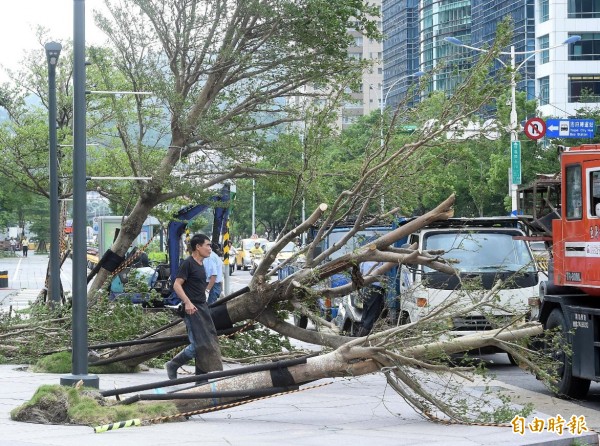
point(485, 250)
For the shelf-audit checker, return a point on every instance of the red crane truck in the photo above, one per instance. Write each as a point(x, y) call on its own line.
point(570, 300)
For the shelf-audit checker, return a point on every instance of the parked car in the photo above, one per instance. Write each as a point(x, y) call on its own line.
point(286, 253)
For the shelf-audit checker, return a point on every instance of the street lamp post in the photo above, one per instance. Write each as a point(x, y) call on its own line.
point(513, 101)
point(416, 74)
point(52, 53)
point(80, 322)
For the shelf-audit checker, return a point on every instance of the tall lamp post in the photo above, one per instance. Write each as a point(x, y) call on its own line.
point(513, 102)
point(80, 322)
point(416, 74)
point(52, 53)
point(253, 206)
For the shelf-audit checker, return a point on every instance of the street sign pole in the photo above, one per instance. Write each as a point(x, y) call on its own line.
point(515, 162)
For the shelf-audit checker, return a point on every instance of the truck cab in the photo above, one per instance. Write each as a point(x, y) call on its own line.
point(570, 300)
point(576, 247)
point(483, 251)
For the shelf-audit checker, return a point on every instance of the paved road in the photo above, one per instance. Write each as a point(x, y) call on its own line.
point(26, 277)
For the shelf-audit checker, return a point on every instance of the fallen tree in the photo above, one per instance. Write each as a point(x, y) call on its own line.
point(408, 372)
point(414, 357)
point(404, 353)
point(408, 354)
point(263, 299)
point(367, 355)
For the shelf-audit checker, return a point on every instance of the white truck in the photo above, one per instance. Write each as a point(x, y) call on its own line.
point(485, 250)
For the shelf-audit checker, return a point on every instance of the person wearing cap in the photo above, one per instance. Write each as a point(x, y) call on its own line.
point(257, 250)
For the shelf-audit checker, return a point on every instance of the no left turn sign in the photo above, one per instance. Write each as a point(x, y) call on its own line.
point(535, 128)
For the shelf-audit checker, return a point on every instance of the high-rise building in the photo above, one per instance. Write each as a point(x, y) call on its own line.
point(400, 48)
point(568, 77)
point(560, 78)
point(368, 96)
point(486, 15)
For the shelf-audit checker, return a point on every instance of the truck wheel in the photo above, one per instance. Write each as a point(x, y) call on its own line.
point(568, 385)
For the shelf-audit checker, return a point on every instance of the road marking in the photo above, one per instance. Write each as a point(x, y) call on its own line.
point(17, 270)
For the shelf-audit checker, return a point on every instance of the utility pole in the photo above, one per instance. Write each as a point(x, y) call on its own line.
point(52, 53)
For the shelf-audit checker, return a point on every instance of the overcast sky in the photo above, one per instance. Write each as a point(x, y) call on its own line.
point(19, 18)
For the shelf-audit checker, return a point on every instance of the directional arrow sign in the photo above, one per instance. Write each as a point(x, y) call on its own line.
point(570, 128)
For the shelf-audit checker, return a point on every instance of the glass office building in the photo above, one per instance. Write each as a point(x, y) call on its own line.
point(487, 14)
point(440, 19)
point(400, 48)
point(415, 31)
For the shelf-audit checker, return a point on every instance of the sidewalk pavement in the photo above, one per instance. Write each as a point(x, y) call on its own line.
point(347, 411)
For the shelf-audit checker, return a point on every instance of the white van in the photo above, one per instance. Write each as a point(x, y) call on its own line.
point(486, 250)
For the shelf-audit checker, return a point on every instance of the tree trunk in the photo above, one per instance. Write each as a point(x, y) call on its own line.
point(354, 358)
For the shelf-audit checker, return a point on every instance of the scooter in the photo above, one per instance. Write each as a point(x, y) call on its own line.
point(255, 260)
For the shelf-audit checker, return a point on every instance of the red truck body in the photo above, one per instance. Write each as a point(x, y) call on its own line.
point(576, 235)
point(565, 211)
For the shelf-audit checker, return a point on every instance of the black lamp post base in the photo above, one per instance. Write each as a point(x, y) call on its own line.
point(88, 380)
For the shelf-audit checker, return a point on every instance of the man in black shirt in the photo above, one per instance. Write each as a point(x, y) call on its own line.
point(190, 286)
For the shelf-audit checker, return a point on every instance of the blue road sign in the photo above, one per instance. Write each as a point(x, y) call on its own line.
point(570, 128)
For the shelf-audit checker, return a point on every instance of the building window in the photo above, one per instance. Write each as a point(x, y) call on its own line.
point(544, 10)
point(584, 88)
point(588, 48)
point(544, 44)
point(358, 41)
point(584, 9)
point(544, 89)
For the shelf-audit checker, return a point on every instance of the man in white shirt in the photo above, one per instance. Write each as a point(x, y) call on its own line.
point(214, 275)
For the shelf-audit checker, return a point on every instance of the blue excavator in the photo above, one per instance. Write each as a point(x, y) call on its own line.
point(161, 278)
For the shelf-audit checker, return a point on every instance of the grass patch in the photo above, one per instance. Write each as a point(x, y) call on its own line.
point(55, 404)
